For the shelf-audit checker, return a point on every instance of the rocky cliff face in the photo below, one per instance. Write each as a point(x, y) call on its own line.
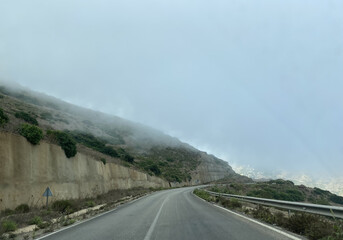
point(26, 171)
point(211, 169)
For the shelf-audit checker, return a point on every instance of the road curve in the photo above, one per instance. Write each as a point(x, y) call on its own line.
point(167, 215)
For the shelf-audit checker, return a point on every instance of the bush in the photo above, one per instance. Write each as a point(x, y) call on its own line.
point(64, 206)
point(203, 194)
point(299, 222)
point(229, 203)
point(3, 118)
point(92, 142)
point(22, 208)
point(103, 160)
point(263, 214)
point(336, 199)
point(8, 226)
point(7, 212)
point(154, 168)
point(32, 133)
point(125, 156)
point(280, 219)
point(69, 222)
point(66, 142)
point(90, 204)
point(36, 220)
point(26, 117)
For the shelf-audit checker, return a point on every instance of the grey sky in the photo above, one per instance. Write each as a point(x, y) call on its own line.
point(256, 83)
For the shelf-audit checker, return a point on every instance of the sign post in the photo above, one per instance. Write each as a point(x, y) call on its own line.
point(47, 194)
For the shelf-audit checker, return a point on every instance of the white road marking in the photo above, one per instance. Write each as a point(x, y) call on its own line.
point(89, 219)
point(152, 227)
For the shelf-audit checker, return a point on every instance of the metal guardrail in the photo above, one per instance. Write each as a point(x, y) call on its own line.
point(325, 210)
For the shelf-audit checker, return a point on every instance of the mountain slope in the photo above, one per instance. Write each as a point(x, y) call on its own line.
point(109, 138)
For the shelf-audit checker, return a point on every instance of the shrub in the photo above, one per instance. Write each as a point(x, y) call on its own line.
point(64, 206)
point(92, 142)
point(69, 222)
point(103, 160)
point(234, 203)
point(318, 229)
point(3, 118)
point(32, 133)
point(280, 219)
point(65, 141)
point(150, 166)
point(203, 194)
point(263, 214)
point(154, 168)
point(36, 220)
point(8, 226)
point(125, 156)
point(26, 117)
point(230, 203)
point(299, 222)
point(336, 199)
point(7, 212)
point(22, 208)
point(128, 158)
point(90, 204)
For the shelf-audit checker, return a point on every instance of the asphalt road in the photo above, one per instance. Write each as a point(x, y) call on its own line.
point(168, 215)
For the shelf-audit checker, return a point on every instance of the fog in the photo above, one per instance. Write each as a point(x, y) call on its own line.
point(256, 83)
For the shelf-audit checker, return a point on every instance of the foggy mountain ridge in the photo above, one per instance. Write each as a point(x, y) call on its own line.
point(140, 131)
point(152, 150)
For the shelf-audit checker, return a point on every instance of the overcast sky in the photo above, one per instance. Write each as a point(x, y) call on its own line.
point(257, 83)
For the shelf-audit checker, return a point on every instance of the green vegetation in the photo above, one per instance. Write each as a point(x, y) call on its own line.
point(336, 199)
point(68, 222)
point(26, 117)
point(310, 225)
point(46, 116)
point(103, 160)
point(64, 206)
point(22, 208)
point(125, 156)
point(283, 194)
point(90, 203)
point(280, 190)
point(3, 118)
point(174, 164)
point(117, 135)
point(36, 220)
point(7, 212)
point(8, 226)
point(65, 141)
point(203, 194)
point(32, 133)
point(95, 143)
point(150, 167)
point(231, 203)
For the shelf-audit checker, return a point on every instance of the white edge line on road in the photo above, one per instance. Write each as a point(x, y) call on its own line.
point(254, 221)
point(152, 227)
point(78, 223)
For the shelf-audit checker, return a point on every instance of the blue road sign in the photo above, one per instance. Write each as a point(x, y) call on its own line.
point(47, 192)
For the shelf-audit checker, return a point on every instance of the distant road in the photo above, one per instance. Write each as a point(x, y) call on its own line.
point(168, 215)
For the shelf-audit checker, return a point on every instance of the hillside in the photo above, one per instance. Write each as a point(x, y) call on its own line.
point(279, 189)
point(107, 138)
